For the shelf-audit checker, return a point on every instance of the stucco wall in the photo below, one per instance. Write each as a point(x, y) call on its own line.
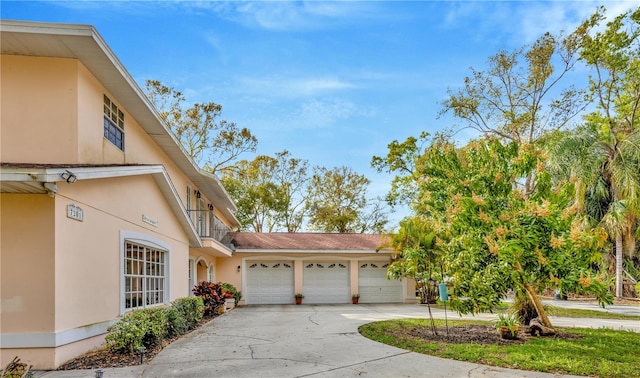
point(39, 109)
point(88, 259)
point(26, 261)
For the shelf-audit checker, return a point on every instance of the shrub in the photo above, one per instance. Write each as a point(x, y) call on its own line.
point(176, 323)
point(212, 296)
point(157, 329)
point(190, 310)
point(146, 327)
point(231, 290)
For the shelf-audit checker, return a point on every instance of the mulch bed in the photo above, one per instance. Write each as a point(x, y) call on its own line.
point(473, 333)
point(103, 358)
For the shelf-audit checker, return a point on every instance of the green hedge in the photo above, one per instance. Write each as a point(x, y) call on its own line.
point(186, 313)
point(148, 327)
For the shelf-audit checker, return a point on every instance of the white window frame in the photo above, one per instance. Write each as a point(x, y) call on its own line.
point(151, 242)
point(113, 124)
point(192, 276)
point(211, 273)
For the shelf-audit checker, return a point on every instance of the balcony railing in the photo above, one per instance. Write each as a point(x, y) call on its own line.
point(210, 226)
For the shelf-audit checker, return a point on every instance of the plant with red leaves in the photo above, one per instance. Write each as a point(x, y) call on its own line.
point(212, 295)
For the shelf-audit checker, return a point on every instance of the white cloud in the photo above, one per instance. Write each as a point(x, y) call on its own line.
point(297, 15)
point(291, 87)
point(521, 22)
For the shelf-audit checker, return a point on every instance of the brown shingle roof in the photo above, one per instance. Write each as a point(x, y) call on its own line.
point(307, 241)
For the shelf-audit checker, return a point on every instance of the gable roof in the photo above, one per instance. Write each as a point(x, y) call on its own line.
point(43, 178)
point(303, 241)
point(84, 43)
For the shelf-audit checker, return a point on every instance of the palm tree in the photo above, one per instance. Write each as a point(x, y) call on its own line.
point(417, 256)
point(604, 164)
point(614, 56)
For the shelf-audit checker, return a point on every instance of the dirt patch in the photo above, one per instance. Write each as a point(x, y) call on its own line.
point(103, 358)
point(472, 333)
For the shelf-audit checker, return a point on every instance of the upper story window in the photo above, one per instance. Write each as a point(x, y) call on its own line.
point(113, 123)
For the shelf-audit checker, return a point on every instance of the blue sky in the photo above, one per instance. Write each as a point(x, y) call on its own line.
point(332, 82)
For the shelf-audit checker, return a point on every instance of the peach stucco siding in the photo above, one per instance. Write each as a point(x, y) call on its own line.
point(26, 258)
point(90, 250)
point(49, 124)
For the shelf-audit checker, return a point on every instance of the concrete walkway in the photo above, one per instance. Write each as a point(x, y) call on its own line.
point(310, 341)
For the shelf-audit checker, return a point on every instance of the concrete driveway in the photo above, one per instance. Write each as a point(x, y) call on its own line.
point(305, 341)
point(312, 341)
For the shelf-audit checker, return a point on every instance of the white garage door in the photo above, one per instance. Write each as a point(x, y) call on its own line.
point(326, 282)
point(269, 282)
point(373, 285)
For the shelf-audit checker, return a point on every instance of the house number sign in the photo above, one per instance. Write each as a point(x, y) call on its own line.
point(75, 212)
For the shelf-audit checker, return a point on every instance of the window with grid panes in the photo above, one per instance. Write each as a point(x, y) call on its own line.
point(144, 276)
point(113, 123)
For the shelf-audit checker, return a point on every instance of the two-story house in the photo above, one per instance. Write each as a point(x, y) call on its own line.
point(101, 210)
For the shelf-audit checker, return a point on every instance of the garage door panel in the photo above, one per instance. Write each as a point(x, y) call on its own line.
point(373, 285)
point(269, 282)
point(326, 282)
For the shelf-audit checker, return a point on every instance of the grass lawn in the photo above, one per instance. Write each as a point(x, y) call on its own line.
point(596, 352)
point(581, 313)
point(561, 311)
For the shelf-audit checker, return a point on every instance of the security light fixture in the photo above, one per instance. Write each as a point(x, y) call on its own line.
point(69, 177)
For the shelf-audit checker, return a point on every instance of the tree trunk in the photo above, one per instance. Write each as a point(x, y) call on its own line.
point(542, 314)
point(619, 250)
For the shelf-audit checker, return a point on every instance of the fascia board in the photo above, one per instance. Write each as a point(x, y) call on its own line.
point(309, 251)
point(171, 194)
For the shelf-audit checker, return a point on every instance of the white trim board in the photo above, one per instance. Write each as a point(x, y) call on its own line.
point(53, 339)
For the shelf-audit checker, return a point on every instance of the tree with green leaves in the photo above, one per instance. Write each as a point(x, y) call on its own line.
point(337, 200)
point(291, 176)
point(270, 192)
point(417, 256)
point(500, 239)
point(212, 143)
point(602, 156)
point(258, 197)
point(519, 97)
point(401, 160)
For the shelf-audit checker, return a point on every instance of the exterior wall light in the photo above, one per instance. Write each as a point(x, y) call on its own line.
point(69, 177)
point(238, 269)
point(197, 193)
